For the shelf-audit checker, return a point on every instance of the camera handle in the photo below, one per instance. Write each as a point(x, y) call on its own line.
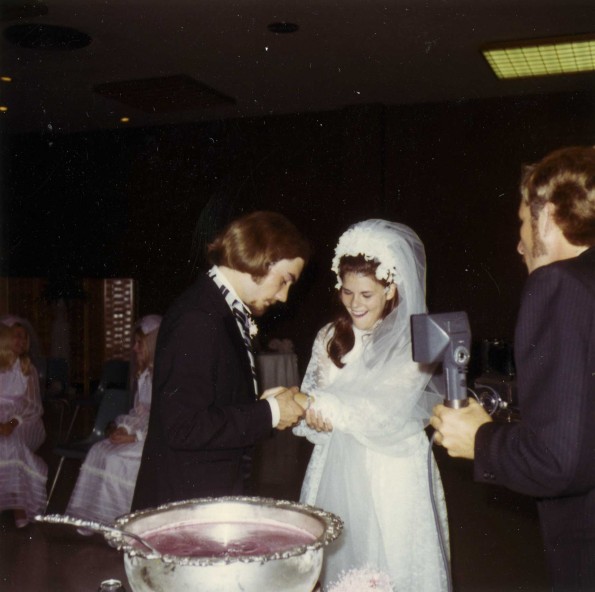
point(444, 338)
point(455, 374)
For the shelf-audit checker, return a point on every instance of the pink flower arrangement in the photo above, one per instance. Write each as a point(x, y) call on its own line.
point(362, 580)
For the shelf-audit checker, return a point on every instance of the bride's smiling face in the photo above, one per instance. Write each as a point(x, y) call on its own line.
point(364, 298)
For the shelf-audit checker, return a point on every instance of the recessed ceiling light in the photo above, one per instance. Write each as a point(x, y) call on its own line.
point(541, 57)
point(124, 119)
point(3, 108)
point(5, 79)
point(283, 27)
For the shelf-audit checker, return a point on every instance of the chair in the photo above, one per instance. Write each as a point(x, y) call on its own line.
point(55, 387)
point(114, 402)
point(114, 375)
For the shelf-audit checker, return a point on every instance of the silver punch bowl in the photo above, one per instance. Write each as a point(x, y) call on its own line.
point(293, 568)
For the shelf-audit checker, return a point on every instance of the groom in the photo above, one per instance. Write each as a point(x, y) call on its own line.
point(205, 413)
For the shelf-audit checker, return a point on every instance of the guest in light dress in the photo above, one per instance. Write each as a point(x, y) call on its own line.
point(23, 474)
point(107, 478)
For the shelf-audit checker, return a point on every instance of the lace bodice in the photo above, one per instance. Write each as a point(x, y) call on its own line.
point(322, 371)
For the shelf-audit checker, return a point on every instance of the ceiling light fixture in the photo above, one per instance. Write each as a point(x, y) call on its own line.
point(541, 57)
point(5, 79)
point(3, 108)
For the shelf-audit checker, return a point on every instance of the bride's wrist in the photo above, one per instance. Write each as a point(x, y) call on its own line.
point(304, 400)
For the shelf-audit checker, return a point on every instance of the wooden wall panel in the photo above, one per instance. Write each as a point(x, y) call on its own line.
point(100, 322)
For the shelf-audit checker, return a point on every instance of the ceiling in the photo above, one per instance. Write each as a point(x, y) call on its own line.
point(345, 52)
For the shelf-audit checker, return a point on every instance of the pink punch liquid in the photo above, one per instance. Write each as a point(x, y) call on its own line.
point(227, 539)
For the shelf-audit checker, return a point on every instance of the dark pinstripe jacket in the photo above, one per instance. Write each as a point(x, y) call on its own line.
point(550, 453)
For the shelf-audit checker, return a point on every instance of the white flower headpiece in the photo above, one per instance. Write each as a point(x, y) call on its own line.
point(363, 239)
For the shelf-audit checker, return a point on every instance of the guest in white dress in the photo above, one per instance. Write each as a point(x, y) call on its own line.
point(23, 474)
point(368, 404)
point(107, 478)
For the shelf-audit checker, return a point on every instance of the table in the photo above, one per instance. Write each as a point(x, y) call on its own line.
point(275, 369)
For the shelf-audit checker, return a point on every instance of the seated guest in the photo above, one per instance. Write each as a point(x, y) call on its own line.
point(23, 474)
point(107, 478)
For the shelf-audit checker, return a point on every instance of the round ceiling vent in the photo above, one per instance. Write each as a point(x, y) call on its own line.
point(46, 37)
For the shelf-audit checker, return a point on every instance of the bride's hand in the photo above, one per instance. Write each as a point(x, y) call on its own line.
point(303, 400)
point(317, 422)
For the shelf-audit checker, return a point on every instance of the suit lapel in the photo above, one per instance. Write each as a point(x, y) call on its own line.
point(233, 331)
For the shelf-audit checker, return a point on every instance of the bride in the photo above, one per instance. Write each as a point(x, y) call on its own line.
point(367, 406)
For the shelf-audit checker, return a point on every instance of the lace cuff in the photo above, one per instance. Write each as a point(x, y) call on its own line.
point(302, 429)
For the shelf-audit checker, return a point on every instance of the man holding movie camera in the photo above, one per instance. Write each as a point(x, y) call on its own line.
point(550, 453)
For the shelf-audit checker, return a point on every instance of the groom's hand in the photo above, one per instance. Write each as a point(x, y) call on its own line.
point(291, 412)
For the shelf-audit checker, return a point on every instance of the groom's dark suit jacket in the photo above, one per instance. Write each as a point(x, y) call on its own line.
point(550, 453)
point(204, 414)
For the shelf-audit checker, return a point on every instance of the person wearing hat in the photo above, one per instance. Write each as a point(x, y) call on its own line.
point(23, 474)
point(106, 481)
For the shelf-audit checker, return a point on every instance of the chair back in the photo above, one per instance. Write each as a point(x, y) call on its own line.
point(114, 402)
point(114, 374)
point(56, 377)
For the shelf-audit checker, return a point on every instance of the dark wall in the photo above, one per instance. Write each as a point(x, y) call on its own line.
point(141, 203)
point(454, 174)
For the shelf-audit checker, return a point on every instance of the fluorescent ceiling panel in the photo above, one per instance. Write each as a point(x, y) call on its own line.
point(542, 57)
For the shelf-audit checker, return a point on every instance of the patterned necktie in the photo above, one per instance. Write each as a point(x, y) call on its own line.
point(243, 320)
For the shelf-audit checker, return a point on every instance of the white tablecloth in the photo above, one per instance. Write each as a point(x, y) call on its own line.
point(277, 370)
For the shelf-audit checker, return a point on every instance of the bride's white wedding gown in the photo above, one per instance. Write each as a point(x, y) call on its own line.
point(383, 496)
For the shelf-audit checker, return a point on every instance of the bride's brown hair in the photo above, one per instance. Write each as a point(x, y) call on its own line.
point(343, 338)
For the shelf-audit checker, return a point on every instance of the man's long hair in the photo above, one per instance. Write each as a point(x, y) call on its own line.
point(255, 242)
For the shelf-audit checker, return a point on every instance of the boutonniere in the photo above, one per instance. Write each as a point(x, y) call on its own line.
point(252, 328)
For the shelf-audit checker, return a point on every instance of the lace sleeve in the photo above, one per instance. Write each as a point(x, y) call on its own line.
point(136, 422)
point(375, 419)
point(317, 373)
point(30, 408)
point(317, 376)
